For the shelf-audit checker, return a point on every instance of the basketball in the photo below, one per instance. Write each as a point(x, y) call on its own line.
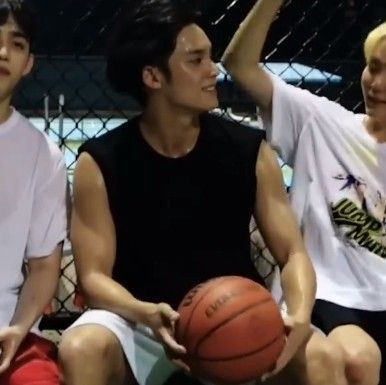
point(232, 330)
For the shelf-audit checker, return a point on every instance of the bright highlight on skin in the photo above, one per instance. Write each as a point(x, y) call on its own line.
point(374, 38)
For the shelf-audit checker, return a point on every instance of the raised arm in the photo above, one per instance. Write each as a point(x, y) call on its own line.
point(243, 53)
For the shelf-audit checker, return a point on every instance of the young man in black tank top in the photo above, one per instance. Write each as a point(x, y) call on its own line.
point(164, 201)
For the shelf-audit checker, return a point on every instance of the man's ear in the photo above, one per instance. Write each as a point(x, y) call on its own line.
point(29, 65)
point(152, 77)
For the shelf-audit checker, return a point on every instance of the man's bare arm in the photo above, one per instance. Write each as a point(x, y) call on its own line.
point(281, 233)
point(94, 244)
point(243, 54)
point(38, 289)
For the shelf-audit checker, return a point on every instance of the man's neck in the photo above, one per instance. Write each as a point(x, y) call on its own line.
point(376, 129)
point(171, 133)
point(5, 110)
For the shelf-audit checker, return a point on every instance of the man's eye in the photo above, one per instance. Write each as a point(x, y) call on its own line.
point(19, 44)
point(197, 60)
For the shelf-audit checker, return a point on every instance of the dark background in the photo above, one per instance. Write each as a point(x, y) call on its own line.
point(327, 34)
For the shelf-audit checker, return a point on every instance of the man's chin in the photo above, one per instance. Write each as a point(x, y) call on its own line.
point(213, 106)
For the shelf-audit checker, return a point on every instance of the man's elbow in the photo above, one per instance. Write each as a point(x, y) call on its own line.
point(87, 282)
point(90, 286)
point(231, 63)
point(226, 59)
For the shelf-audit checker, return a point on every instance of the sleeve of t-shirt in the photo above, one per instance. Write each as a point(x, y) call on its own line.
point(49, 211)
point(292, 108)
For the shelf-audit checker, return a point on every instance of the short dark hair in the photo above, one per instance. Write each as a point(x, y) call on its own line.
point(146, 34)
point(24, 15)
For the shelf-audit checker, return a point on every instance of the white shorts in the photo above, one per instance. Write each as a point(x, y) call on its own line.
point(144, 354)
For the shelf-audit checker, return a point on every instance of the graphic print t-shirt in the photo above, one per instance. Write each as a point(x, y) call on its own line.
point(338, 193)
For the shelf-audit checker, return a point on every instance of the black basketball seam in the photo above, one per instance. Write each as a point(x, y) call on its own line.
point(233, 316)
point(230, 278)
point(201, 358)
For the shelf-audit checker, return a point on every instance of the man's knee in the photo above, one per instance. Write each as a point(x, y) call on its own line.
point(91, 352)
point(361, 352)
point(363, 365)
point(80, 344)
point(325, 355)
point(321, 362)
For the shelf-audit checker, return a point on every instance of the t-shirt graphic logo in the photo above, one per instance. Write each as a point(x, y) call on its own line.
point(356, 220)
point(351, 182)
point(362, 227)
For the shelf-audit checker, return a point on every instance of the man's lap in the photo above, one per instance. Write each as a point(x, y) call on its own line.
point(34, 363)
point(145, 356)
point(328, 316)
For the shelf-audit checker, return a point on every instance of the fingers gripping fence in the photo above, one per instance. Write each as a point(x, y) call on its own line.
point(313, 44)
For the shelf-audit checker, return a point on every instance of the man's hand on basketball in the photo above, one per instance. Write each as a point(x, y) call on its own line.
point(161, 318)
point(298, 332)
point(10, 340)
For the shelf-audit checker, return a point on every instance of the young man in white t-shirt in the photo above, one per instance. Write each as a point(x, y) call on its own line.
point(32, 215)
point(339, 188)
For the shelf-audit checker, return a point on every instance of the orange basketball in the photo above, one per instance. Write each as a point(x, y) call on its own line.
point(232, 330)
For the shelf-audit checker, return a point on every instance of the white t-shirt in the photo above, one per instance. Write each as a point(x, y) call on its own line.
point(32, 204)
point(338, 193)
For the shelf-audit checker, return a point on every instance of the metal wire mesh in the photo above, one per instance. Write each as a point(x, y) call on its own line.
point(313, 44)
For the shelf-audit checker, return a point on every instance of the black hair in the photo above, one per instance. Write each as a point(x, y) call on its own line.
point(146, 34)
point(24, 15)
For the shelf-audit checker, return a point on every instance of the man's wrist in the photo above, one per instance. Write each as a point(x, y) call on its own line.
point(20, 328)
point(139, 310)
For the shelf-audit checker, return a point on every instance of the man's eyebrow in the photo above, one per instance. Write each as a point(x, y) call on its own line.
point(19, 34)
point(376, 61)
point(199, 51)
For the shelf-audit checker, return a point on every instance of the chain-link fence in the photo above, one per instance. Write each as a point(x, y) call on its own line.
point(315, 44)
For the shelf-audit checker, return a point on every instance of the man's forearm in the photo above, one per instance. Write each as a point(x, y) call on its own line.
point(246, 46)
point(38, 290)
point(299, 285)
point(102, 292)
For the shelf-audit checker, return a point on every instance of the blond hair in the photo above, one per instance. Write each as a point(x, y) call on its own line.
point(373, 39)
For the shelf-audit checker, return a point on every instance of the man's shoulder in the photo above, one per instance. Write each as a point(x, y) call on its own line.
point(37, 140)
point(110, 139)
point(23, 126)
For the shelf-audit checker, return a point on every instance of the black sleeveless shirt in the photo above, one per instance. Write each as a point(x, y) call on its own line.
point(179, 221)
